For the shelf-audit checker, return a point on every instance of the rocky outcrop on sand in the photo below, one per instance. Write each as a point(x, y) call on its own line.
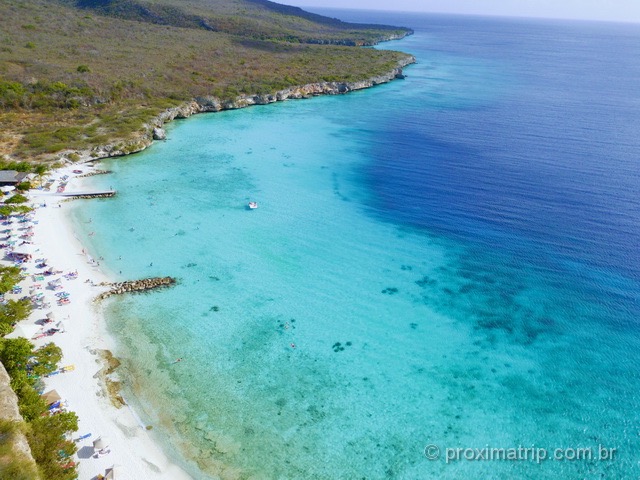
point(109, 379)
point(154, 130)
point(136, 286)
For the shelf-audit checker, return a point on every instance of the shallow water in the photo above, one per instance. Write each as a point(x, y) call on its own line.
point(448, 260)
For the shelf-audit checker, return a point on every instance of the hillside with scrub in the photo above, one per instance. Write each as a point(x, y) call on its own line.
point(79, 74)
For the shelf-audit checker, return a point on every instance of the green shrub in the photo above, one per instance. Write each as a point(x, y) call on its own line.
point(40, 169)
point(11, 94)
point(6, 210)
point(17, 198)
point(83, 69)
point(30, 45)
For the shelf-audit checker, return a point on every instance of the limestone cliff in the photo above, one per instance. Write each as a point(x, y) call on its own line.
point(9, 413)
point(154, 130)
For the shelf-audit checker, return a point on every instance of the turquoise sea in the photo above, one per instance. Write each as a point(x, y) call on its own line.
point(450, 260)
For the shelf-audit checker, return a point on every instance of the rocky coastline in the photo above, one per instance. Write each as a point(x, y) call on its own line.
point(154, 129)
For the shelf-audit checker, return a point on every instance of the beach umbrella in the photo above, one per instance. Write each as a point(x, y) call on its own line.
point(51, 316)
point(7, 188)
point(101, 443)
point(26, 249)
point(51, 397)
point(115, 472)
point(27, 331)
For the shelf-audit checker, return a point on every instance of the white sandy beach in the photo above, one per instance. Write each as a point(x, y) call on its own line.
point(130, 444)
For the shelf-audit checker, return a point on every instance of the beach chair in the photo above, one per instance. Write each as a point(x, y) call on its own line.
point(82, 437)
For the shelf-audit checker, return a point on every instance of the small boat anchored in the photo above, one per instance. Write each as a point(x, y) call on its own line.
point(253, 205)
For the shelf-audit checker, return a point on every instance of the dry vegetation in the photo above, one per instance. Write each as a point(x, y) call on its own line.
point(77, 77)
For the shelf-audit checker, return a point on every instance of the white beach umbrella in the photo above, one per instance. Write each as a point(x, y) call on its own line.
point(26, 249)
point(116, 472)
point(51, 316)
point(101, 442)
point(27, 331)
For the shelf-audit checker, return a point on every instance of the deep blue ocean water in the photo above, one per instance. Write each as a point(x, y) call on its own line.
point(451, 259)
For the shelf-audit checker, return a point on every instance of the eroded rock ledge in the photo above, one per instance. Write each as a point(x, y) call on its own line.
point(205, 104)
point(133, 286)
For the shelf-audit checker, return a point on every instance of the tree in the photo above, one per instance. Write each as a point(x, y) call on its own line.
point(45, 359)
point(49, 447)
point(14, 353)
point(30, 403)
point(9, 277)
point(12, 312)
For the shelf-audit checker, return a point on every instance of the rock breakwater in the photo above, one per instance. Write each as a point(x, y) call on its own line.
point(95, 172)
point(91, 195)
point(136, 286)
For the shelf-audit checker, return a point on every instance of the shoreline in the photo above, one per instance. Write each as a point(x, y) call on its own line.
point(87, 388)
point(153, 130)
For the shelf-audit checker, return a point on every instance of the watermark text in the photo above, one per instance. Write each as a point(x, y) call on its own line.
point(520, 453)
